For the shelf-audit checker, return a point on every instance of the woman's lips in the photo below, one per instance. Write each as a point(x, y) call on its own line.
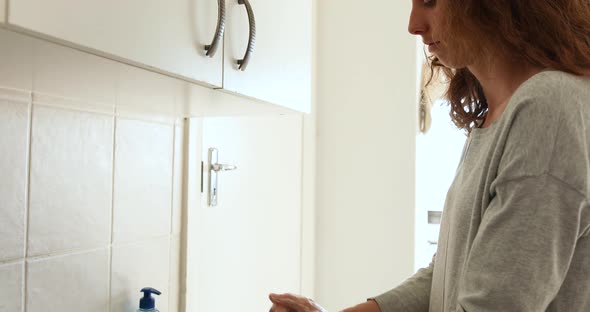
point(433, 46)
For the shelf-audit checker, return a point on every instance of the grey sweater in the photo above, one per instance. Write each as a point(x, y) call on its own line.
point(515, 228)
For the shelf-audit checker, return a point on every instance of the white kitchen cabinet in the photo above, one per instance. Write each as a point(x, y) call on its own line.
point(279, 70)
point(250, 243)
point(169, 36)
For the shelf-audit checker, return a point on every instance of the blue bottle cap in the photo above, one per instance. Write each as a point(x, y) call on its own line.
point(148, 302)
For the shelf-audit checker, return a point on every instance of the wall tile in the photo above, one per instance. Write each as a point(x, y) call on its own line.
point(11, 287)
point(14, 120)
point(71, 178)
point(139, 265)
point(73, 104)
point(16, 69)
point(66, 72)
point(143, 180)
point(69, 283)
point(71, 211)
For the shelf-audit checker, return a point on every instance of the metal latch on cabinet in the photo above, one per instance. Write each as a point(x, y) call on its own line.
point(214, 168)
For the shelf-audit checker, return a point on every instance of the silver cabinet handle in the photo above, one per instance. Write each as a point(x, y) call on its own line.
point(223, 167)
point(243, 63)
point(212, 48)
point(434, 217)
point(214, 168)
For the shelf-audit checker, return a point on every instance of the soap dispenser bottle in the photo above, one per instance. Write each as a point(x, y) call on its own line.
point(148, 303)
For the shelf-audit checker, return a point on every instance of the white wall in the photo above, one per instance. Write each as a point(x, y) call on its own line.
point(366, 110)
point(90, 187)
point(435, 171)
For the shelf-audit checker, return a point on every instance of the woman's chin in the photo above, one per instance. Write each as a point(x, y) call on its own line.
point(452, 64)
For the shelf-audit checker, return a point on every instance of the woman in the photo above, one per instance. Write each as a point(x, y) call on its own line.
point(515, 234)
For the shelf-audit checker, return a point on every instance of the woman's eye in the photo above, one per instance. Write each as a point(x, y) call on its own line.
point(429, 2)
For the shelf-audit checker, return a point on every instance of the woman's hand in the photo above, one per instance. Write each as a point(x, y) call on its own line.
point(293, 303)
point(278, 308)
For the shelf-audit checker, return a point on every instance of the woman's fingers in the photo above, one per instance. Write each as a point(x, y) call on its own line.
point(296, 303)
point(278, 308)
point(288, 300)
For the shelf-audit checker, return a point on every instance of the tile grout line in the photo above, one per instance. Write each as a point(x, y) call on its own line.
point(11, 261)
point(110, 247)
point(78, 251)
point(29, 157)
point(24, 299)
point(65, 253)
point(27, 200)
point(116, 100)
point(102, 108)
point(74, 109)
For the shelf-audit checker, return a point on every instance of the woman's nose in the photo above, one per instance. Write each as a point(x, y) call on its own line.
point(417, 24)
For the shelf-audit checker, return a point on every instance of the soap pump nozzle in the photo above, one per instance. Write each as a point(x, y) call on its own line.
point(148, 303)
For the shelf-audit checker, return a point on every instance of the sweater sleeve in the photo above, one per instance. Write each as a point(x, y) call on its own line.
point(523, 247)
point(413, 295)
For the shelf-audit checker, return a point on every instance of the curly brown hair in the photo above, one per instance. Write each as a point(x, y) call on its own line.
point(548, 33)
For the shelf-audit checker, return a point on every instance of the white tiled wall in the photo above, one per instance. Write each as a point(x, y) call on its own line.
point(11, 290)
point(136, 215)
point(135, 266)
point(90, 158)
point(69, 282)
point(13, 167)
point(70, 180)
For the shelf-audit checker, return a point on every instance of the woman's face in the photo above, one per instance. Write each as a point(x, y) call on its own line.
point(426, 20)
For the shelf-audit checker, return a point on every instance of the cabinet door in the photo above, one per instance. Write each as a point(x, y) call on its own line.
point(279, 70)
point(168, 36)
point(250, 243)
